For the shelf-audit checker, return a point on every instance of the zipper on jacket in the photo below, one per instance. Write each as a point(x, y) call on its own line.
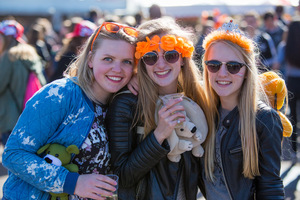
point(225, 180)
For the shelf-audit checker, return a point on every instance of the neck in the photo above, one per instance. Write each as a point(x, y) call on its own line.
point(168, 89)
point(228, 104)
point(99, 97)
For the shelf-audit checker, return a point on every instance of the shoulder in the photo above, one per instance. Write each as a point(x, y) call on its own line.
point(267, 119)
point(263, 111)
point(124, 97)
point(62, 90)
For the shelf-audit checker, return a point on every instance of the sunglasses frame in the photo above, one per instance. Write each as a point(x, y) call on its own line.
point(164, 56)
point(226, 64)
point(120, 27)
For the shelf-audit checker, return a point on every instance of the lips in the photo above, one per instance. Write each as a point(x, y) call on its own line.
point(223, 82)
point(162, 73)
point(114, 78)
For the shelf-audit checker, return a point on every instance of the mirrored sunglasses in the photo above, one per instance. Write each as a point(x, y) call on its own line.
point(114, 28)
point(233, 67)
point(151, 58)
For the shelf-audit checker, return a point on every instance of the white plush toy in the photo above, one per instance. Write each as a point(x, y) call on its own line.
point(192, 133)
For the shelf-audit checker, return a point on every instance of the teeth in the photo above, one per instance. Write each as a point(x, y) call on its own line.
point(223, 82)
point(162, 73)
point(114, 78)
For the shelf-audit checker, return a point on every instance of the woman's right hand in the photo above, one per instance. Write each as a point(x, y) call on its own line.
point(95, 186)
point(168, 117)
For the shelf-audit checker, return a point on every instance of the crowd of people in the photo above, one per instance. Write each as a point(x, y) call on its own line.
point(101, 79)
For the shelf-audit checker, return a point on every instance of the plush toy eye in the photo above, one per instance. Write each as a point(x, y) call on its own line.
point(56, 155)
point(48, 152)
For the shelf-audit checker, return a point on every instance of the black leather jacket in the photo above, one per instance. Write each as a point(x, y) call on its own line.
point(142, 165)
point(269, 130)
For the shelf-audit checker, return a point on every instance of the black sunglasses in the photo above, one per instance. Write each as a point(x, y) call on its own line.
point(151, 58)
point(233, 67)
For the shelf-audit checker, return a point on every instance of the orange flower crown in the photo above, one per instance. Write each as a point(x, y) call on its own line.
point(229, 31)
point(167, 43)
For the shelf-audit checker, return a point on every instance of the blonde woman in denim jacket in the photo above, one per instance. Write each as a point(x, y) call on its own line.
point(71, 111)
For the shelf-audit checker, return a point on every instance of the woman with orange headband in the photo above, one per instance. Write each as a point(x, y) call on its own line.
point(242, 153)
point(71, 112)
point(138, 144)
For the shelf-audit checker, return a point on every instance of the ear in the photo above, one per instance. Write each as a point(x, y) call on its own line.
point(72, 149)
point(90, 59)
point(43, 148)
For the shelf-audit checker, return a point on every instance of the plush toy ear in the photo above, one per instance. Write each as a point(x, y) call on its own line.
point(275, 88)
point(72, 149)
point(42, 149)
point(286, 124)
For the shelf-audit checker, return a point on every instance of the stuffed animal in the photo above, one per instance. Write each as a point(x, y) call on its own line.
point(192, 133)
point(276, 91)
point(60, 155)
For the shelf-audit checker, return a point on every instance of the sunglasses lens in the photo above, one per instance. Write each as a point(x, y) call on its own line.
point(130, 31)
point(150, 58)
point(112, 28)
point(234, 67)
point(171, 56)
point(213, 65)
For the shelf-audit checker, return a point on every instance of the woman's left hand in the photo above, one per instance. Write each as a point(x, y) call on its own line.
point(133, 85)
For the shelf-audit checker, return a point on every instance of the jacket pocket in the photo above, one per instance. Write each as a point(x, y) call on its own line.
point(235, 150)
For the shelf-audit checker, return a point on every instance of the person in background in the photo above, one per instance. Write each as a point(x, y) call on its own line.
point(243, 152)
point(267, 48)
point(71, 111)
point(138, 145)
point(273, 28)
point(17, 60)
point(292, 66)
point(72, 43)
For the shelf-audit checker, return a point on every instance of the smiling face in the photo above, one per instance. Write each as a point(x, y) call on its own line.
point(164, 74)
point(225, 84)
point(112, 67)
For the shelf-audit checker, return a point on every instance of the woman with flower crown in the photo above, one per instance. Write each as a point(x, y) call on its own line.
point(138, 146)
point(242, 153)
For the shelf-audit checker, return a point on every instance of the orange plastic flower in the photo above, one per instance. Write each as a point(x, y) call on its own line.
point(167, 43)
point(149, 45)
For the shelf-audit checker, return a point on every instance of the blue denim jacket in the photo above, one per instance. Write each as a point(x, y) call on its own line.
point(58, 113)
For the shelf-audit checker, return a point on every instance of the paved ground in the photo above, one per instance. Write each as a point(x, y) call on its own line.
point(290, 173)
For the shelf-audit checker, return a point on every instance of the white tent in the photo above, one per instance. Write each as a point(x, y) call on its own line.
point(192, 8)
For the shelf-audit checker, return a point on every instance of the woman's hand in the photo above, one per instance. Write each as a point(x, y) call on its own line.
point(133, 85)
point(168, 117)
point(94, 186)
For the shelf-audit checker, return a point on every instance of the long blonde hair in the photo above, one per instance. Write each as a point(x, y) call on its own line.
point(250, 93)
point(80, 68)
point(189, 80)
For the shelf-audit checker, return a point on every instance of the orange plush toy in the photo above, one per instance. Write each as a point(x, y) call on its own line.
point(276, 91)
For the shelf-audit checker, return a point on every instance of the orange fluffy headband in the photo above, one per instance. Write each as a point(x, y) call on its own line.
point(167, 43)
point(229, 31)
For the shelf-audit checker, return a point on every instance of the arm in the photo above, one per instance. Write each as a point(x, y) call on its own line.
point(269, 130)
point(37, 124)
point(6, 70)
point(130, 160)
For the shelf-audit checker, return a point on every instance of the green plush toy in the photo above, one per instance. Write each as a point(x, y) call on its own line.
point(60, 155)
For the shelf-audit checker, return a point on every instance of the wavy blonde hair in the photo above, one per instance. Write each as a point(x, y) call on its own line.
point(250, 93)
point(189, 80)
point(80, 68)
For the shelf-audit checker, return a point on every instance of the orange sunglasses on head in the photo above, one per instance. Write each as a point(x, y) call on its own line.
point(114, 28)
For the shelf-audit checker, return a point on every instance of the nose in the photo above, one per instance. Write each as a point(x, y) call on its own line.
point(48, 160)
point(117, 67)
point(160, 61)
point(223, 70)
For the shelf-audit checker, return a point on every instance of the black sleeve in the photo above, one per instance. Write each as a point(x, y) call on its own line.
point(269, 129)
point(130, 160)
